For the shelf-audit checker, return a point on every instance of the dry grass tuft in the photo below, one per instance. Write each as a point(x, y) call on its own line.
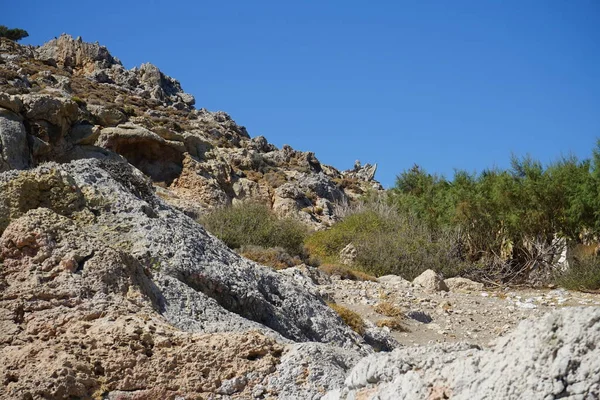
point(274, 257)
point(394, 324)
point(388, 309)
point(346, 273)
point(352, 319)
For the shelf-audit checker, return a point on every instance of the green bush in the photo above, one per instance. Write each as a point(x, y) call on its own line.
point(501, 212)
point(15, 34)
point(584, 274)
point(254, 224)
point(388, 242)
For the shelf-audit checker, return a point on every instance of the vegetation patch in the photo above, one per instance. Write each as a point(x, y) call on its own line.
point(254, 224)
point(274, 257)
point(388, 242)
point(584, 274)
point(388, 309)
point(394, 324)
point(350, 318)
point(345, 272)
point(508, 219)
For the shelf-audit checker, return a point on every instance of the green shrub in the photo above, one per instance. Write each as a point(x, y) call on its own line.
point(501, 212)
point(388, 242)
point(129, 111)
point(15, 34)
point(584, 274)
point(254, 224)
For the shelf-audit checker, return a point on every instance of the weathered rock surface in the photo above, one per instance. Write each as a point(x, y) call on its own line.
point(110, 291)
point(90, 256)
point(458, 283)
point(14, 151)
point(348, 254)
point(552, 357)
point(430, 281)
point(78, 101)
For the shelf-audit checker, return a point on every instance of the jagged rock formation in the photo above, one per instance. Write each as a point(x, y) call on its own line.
point(555, 357)
point(69, 100)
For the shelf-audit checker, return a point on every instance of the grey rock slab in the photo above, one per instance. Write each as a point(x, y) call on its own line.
point(307, 369)
point(14, 150)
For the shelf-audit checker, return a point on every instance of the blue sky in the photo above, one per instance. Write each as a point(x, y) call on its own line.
point(443, 84)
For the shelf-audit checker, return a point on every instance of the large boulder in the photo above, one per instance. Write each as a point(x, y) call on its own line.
point(430, 281)
point(554, 357)
point(57, 111)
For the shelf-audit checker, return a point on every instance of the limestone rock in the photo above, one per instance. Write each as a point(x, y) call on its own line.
point(363, 172)
point(105, 290)
point(293, 380)
point(75, 53)
point(14, 150)
point(394, 280)
point(553, 357)
point(107, 116)
point(162, 87)
point(458, 283)
point(57, 111)
point(348, 254)
point(158, 158)
point(431, 281)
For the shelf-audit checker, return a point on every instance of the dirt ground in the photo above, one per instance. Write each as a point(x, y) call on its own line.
point(475, 316)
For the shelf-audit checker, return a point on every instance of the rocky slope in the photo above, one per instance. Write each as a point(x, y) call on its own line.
point(110, 290)
point(105, 288)
point(69, 100)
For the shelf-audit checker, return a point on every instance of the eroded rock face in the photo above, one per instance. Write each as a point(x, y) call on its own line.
point(14, 150)
point(75, 100)
point(553, 357)
point(105, 288)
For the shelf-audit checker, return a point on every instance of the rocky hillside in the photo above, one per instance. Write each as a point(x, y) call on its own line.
point(68, 100)
point(110, 290)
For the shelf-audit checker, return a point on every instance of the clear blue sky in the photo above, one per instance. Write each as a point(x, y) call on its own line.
point(444, 84)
